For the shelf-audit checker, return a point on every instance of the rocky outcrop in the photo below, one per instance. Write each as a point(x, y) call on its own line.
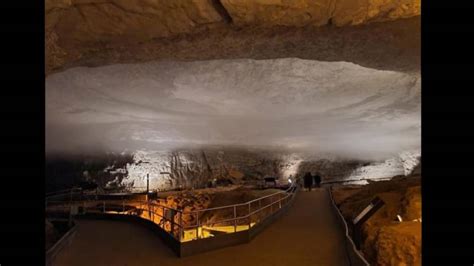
point(95, 24)
point(411, 204)
point(196, 168)
point(385, 239)
point(318, 12)
point(106, 170)
point(92, 21)
point(78, 31)
point(399, 244)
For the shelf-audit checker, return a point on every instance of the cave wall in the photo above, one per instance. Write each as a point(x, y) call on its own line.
point(194, 168)
point(65, 171)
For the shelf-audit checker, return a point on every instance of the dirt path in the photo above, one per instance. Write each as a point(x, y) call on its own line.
point(306, 235)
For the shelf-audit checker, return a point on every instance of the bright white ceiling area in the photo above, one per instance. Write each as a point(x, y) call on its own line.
point(318, 107)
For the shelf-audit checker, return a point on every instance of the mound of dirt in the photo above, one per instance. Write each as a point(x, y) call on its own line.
point(398, 244)
point(386, 240)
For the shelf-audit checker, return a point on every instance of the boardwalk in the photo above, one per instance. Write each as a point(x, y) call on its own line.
point(307, 234)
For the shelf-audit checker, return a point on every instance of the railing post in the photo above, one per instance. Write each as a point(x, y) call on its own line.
point(197, 225)
point(271, 205)
point(279, 200)
point(259, 216)
point(123, 206)
point(250, 220)
point(235, 218)
point(180, 229)
point(103, 206)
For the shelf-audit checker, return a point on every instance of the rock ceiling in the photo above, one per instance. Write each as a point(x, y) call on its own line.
point(333, 107)
point(101, 32)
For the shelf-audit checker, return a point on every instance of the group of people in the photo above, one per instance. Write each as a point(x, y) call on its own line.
point(310, 180)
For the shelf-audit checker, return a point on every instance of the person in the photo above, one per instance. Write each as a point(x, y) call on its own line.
point(317, 180)
point(308, 181)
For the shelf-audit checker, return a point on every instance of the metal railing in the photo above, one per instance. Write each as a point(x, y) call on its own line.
point(353, 255)
point(186, 225)
point(238, 217)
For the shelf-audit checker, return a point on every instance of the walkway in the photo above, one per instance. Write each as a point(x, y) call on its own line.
point(308, 234)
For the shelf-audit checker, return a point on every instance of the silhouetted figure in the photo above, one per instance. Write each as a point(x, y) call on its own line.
point(317, 180)
point(308, 181)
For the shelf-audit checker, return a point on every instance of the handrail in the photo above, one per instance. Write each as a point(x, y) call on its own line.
point(60, 192)
point(176, 221)
point(276, 193)
point(197, 225)
point(348, 238)
point(242, 204)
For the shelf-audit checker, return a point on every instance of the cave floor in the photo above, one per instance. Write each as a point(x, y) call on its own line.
point(308, 234)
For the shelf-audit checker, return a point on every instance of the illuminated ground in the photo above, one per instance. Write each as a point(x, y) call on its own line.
point(307, 235)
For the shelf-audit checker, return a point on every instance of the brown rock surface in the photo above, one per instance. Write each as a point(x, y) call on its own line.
point(411, 205)
point(98, 32)
point(318, 12)
point(399, 244)
point(385, 240)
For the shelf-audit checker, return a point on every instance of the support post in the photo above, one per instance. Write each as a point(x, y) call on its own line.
point(163, 218)
point(180, 229)
point(271, 205)
point(250, 220)
point(357, 235)
point(235, 218)
point(147, 185)
point(103, 206)
point(197, 225)
point(153, 213)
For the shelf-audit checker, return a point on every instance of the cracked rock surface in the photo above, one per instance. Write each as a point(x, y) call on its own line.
point(100, 32)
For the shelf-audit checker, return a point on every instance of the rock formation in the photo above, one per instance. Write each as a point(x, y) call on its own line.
point(85, 32)
point(196, 168)
point(385, 239)
point(318, 12)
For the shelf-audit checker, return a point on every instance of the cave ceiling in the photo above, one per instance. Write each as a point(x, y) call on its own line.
point(381, 34)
